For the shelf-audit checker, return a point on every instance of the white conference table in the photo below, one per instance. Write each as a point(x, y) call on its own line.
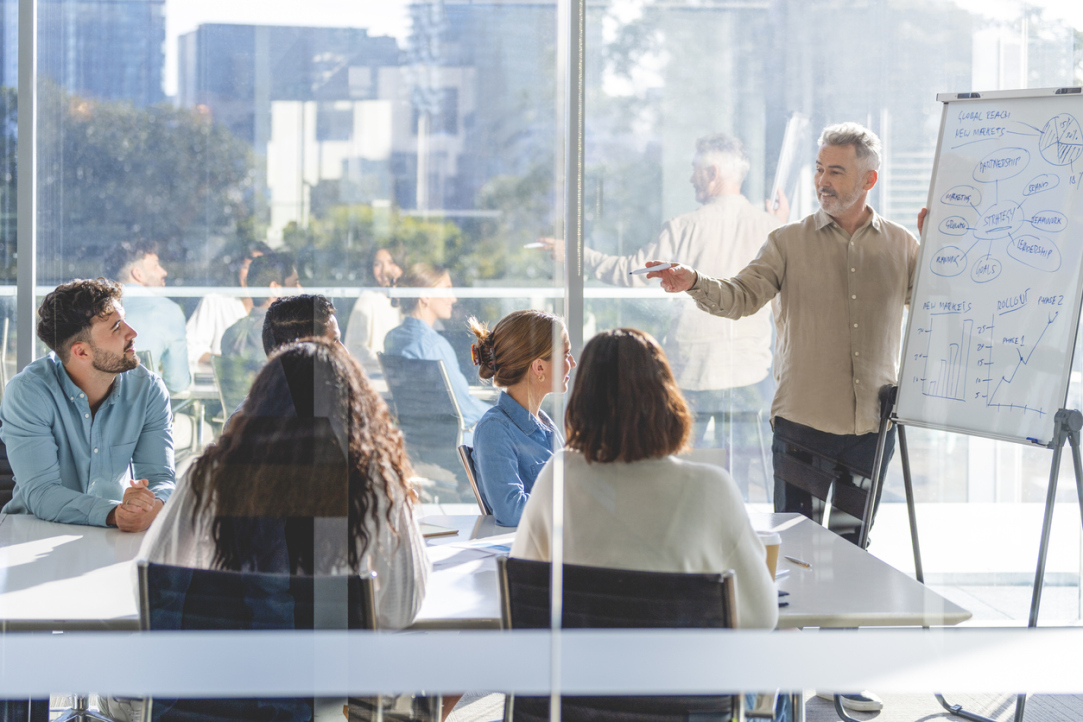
point(67, 577)
point(845, 587)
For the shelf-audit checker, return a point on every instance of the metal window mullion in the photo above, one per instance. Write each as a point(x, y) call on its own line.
point(27, 239)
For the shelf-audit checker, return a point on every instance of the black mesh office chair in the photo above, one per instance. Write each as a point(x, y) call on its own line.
point(176, 598)
point(616, 598)
point(430, 419)
point(7, 477)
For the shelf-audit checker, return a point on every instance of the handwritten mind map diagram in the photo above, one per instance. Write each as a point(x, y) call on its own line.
point(995, 307)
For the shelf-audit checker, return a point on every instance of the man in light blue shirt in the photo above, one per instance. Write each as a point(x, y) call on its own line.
point(77, 421)
point(159, 321)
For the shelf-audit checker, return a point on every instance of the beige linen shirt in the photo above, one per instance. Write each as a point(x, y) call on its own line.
point(719, 239)
point(838, 315)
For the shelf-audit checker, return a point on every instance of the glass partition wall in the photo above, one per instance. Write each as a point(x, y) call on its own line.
point(411, 164)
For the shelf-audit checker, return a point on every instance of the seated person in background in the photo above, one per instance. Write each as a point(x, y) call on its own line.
point(310, 479)
point(416, 339)
point(159, 321)
point(373, 315)
point(242, 343)
point(628, 502)
point(515, 438)
point(76, 420)
point(216, 312)
point(293, 318)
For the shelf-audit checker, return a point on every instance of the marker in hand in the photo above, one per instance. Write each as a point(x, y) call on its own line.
point(659, 267)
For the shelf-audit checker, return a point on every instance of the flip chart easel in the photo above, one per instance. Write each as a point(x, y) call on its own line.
point(995, 307)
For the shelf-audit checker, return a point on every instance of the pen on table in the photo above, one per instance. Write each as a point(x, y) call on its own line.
point(799, 562)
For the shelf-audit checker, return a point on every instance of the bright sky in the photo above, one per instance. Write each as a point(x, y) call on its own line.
point(389, 17)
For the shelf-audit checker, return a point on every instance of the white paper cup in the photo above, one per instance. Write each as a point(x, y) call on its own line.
point(771, 541)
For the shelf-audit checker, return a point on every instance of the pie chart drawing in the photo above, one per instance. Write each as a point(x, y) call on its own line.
point(1062, 140)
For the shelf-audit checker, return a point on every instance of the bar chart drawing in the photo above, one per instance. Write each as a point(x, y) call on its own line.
point(947, 360)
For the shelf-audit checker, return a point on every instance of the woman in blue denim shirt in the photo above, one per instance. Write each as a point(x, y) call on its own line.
point(515, 438)
point(416, 338)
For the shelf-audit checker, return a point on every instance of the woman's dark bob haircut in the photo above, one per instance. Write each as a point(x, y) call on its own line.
point(625, 405)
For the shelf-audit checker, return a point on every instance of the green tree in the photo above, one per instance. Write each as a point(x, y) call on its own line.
point(109, 171)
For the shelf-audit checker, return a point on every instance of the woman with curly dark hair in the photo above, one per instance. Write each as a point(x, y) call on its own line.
point(311, 478)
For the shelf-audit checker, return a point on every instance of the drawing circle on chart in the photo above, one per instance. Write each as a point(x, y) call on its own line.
point(954, 226)
point(986, 269)
point(1061, 142)
point(949, 261)
point(999, 220)
point(1001, 164)
point(1039, 253)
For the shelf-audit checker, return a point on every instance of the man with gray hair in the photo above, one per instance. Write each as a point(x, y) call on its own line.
point(717, 362)
point(840, 280)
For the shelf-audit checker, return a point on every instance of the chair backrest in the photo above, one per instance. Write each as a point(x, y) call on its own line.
point(233, 377)
point(7, 477)
point(466, 455)
point(596, 597)
point(425, 405)
point(178, 598)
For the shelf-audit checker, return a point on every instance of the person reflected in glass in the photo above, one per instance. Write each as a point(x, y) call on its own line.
point(417, 339)
point(242, 343)
point(373, 315)
point(314, 447)
point(629, 502)
point(159, 320)
point(515, 438)
point(216, 312)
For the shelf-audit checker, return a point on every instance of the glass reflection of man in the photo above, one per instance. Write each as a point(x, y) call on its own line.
point(840, 278)
point(717, 362)
point(159, 321)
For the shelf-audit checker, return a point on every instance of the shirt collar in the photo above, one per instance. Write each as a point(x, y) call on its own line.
point(518, 415)
point(822, 220)
point(73, 391)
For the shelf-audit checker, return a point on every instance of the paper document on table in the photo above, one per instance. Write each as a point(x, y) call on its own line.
point(456, 553)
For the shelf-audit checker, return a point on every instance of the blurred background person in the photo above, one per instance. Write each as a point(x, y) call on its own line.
point(158, 320)
point(373, 315)
point(515, 438)
point(417, 339)
point(216, 312)
point(242, 343)
point(719, 364)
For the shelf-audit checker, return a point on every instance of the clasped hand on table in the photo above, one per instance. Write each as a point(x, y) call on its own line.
point(137, 508)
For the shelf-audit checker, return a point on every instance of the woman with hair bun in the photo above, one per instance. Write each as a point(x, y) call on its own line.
point(515, 438)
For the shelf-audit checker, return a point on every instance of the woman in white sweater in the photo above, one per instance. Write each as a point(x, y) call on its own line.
point(311, 478)
point(628, 502)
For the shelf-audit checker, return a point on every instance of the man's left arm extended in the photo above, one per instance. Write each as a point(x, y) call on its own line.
point(153, 456)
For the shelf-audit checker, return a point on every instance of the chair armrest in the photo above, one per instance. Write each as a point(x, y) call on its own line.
point(763, 706)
